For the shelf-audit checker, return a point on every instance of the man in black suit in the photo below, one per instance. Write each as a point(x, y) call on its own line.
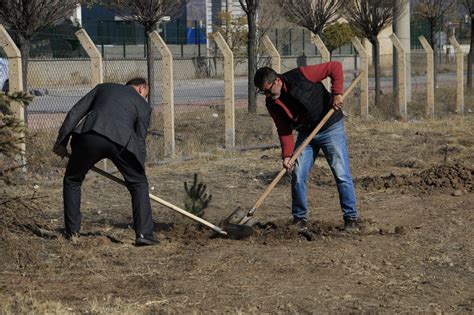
point(111, 122)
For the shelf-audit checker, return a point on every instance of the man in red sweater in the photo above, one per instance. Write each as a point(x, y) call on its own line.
point(297, 100)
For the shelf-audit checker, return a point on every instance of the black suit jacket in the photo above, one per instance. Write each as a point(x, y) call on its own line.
point(115, 111)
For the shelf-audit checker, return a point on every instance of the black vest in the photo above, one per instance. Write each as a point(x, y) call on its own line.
point(313, 97)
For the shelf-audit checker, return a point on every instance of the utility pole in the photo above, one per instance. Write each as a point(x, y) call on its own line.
point(401, 28)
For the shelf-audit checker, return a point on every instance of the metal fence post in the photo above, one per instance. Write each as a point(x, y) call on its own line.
point(276, 38)
point(228, 90)
point(460, 75)
point(364, 83)
point(168, 93)
point(401, 84)
point(302, 42)
point(289, 43)
point(15, 79)
point(429, 109)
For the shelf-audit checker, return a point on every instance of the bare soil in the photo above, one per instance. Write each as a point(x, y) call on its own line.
point(413, 253)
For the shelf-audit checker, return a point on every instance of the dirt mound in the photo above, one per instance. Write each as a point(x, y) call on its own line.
point(444, 177)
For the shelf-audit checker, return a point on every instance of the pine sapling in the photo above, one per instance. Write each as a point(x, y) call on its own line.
point(196, 198)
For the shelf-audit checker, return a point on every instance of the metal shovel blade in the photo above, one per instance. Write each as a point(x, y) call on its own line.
point(237, 231)
point(237, 216)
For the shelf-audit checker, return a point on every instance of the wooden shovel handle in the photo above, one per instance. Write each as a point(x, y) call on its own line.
point(301, 148)
point(164, 203)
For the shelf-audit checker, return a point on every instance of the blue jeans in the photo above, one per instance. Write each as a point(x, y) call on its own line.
point(333, 143)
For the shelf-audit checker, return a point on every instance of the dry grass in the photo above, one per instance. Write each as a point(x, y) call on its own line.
point(451, 126)
point(27, 304)
point(181, 276)
point(39, 145)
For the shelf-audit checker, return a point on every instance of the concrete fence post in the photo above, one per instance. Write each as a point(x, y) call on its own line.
point(364, 82)
point(15, 77)
point(97, 68)
point(402, 87)
point(228, 90)
point(273, 52)
point(276, 63)
point(460, 75)
point(429, 109)
point(168, 93)
point(325, 54)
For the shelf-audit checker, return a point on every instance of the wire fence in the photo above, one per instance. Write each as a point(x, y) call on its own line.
point(444, 92)
point(58, 83)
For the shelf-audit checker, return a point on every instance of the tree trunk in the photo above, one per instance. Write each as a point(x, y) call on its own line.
point(252, 60)
point(150, 65)
point(376, 58)
point(470, 57)
point(25, 55)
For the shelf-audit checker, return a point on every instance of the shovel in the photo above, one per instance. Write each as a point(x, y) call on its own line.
point(165, 203)
point(260, 200)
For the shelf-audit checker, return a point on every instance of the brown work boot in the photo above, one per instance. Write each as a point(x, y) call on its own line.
point(299, 223)
point(351, 225)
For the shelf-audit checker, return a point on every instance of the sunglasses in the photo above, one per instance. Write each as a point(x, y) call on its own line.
point(266, 91)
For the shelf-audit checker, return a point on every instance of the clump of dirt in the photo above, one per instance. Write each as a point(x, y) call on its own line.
point(444, 177)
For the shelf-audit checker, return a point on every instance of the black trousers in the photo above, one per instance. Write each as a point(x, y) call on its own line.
point(87, 150)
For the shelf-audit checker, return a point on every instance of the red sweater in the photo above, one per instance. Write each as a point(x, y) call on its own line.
point(284, 119)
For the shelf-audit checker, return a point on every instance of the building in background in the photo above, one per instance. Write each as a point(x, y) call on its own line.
point(198, 18)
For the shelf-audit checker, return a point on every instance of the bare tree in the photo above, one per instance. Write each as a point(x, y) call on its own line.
point(434, 12)
point(370, 17)
point(270, 18)
point(314, 15)
point(250, 8)
point(150, 14)
point(26, 18)
point(468, 5)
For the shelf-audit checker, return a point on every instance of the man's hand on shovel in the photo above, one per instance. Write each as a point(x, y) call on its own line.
point(337, 102)
point(287, 164)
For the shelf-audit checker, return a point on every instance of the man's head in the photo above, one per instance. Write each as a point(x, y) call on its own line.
point(140, 85)
point(268, 82)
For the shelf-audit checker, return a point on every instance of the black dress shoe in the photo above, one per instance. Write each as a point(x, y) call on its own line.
point(145, 240)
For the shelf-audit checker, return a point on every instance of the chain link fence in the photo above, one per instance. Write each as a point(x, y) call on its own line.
point(59, 75)
point(444, 91)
